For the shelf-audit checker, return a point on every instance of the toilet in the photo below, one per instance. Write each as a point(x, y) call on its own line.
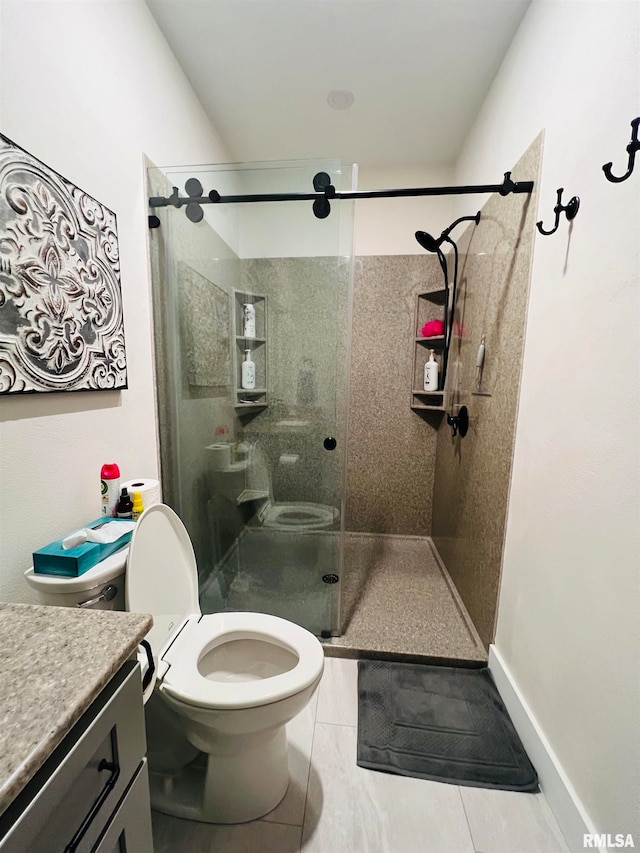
point(284, 515)
point(226, 684)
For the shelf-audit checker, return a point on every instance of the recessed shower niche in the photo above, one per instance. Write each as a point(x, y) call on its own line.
point(256, 344)
point(429, 306)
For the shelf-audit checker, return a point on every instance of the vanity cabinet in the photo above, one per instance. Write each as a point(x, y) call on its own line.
point(429, 306)
point(255, 399)
point(92, 793)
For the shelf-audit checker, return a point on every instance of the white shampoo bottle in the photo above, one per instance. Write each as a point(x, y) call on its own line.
point(248, 380)
point(248, 320)
point(431, 373)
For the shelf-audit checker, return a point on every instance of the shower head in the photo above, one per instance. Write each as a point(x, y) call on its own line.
point(432, 244)
point(428, 242)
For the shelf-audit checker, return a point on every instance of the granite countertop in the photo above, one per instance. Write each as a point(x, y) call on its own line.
point(54, 661)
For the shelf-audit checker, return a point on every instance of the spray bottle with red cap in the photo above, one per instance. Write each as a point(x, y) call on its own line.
point(110, 488)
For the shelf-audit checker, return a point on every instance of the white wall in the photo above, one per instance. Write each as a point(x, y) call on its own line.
point(568, 612)
point(387, 226)
point(87, 87)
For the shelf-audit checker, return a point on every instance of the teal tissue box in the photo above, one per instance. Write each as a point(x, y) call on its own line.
point(54, 560)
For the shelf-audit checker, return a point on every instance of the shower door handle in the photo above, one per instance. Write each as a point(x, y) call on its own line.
point(330, 443)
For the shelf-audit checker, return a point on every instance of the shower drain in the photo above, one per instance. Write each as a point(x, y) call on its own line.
point(330, 578)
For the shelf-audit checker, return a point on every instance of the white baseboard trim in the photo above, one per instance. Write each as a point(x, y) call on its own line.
point(567, 808)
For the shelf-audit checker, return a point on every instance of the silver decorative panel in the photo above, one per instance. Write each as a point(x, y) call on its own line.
point(61, 323)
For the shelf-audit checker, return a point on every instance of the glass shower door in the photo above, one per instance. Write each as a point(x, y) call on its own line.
point(257, 469)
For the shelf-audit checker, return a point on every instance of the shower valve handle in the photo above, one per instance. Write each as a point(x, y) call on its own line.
point(459, 423)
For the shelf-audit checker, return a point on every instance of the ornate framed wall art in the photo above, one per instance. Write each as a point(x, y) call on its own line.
point(61, 323)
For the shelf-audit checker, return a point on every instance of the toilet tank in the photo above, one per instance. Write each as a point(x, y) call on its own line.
point(100, 588)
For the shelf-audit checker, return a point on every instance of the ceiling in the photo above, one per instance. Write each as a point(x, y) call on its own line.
point(418, 69)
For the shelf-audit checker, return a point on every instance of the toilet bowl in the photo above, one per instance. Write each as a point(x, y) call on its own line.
point(289, 515)
point(297, 516)
point(230, 682)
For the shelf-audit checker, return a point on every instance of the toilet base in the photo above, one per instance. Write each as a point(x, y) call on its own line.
point(238, 783)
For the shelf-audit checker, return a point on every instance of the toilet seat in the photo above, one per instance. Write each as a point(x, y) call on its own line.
point(199, 635)
point(162, 579)
point(298, 516)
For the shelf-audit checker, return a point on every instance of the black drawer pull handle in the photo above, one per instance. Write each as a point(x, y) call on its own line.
point(109, 785)
point(146, 681)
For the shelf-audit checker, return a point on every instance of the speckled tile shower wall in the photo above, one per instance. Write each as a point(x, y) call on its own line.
point(306, 343)
point(391, 449)
point(472, 475)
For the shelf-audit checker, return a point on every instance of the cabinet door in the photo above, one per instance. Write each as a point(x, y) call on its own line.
point(94, 764)
point(129, 831)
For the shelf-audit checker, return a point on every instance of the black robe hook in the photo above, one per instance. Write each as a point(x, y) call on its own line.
point(570, 210)
point(632, 148)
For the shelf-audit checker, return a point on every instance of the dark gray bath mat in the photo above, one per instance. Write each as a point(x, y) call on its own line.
point(442, 723)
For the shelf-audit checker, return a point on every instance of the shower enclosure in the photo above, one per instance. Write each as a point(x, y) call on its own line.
point(257, 474)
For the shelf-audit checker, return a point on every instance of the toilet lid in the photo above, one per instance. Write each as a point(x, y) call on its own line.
point(162, 577)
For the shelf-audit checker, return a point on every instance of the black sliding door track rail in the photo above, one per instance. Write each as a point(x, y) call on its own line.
point(322, 197)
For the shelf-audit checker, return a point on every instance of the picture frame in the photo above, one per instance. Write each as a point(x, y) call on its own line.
point(61, 317)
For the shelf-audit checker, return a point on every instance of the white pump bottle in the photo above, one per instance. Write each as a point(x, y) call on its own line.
point(248, 378)
point(431, 373)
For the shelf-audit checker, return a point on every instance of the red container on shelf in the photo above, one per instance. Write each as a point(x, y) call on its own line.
point(110, 489)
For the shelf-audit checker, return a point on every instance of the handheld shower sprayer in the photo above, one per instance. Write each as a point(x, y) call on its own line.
point(433, 244)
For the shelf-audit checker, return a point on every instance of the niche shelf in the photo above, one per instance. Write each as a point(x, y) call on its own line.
point(254, 400)
point(429, 306)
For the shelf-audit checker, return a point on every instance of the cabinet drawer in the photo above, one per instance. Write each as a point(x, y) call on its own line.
point(95, 761)
point(129, 830)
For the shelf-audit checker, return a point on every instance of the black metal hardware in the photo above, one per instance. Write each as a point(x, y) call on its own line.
point(321, 208)
point(508, 186)
point(330, 578)
point(193, 188)
point(433, 244)
point(330, 443)
point(459, 423)
point(321, 181)
point(146, 681)
point(570, 210)
point(632, 148)
point(154, 221)
point(109, 785)
point(505, 188)
point(325, 191)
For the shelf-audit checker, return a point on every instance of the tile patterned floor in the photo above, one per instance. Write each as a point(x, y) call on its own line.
point(334, 806)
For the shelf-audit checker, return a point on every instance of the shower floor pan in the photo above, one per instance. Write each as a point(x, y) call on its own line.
point(399, 603)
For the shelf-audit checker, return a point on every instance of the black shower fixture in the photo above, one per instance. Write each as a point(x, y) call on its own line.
point(433, 244)
point(428, 241)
